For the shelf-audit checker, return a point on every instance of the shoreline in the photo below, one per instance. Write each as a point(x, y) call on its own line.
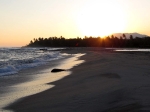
point(106, 81)
point(33, 80)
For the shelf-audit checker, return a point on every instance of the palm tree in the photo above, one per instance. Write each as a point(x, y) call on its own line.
point(124, 36)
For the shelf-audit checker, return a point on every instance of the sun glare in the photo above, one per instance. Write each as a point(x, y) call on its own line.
point(101, 18)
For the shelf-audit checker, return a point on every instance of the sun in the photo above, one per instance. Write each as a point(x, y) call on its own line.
point(101, 18)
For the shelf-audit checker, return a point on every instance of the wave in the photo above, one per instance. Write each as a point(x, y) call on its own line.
point(16, 59)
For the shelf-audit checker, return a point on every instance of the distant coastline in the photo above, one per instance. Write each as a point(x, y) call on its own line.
point(124, 40)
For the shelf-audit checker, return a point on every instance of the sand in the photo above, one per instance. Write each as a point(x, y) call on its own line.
point(106, 81)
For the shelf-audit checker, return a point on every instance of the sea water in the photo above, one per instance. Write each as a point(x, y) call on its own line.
point(12, 60)
point(132, 49)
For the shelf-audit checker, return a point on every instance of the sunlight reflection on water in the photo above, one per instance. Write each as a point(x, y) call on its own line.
point(40, 82)
point(135, 49)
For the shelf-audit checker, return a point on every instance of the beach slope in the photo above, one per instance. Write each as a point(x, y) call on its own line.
point(107, 81)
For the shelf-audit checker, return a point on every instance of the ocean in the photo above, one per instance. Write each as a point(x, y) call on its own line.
point(132, 49)
point(12, 60)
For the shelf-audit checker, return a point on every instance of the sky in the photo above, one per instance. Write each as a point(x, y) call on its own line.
point(23, 20)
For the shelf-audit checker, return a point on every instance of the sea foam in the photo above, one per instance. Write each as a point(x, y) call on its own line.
point(12, 60)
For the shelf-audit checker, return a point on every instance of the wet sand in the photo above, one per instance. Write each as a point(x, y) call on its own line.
point(34, 80)
point(107, 81)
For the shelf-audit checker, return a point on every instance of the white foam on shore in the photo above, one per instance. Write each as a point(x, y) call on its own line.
point(14, 60)
point(39, 83)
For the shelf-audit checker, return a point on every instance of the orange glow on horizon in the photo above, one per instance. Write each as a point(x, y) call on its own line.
point(21, 21)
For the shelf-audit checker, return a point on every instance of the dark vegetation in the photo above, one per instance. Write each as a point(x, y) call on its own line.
point(109, 41)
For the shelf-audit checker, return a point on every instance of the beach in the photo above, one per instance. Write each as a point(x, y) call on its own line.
point(97, 81)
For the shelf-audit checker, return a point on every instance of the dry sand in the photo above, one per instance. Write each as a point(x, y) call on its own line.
point(107, 81)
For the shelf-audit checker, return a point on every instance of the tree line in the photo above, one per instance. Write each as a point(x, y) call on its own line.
point(109, 41)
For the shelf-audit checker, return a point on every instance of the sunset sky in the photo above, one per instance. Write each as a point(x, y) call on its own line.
point(23, 20)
